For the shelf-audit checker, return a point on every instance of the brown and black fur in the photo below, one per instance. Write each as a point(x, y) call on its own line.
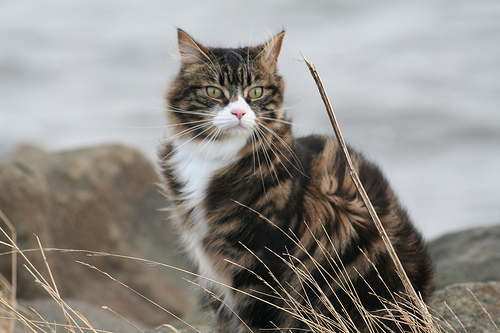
point(303, 186)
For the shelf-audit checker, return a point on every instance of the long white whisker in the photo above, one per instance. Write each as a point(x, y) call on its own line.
point(178, 135)
point(186, 123)
point(270, 165)
point(255, 149)
point(184, 132)
point(278, 120)
point(297, 165)
point(213, 140)
point(277, 152)
point(184, 143)
point(194, 112)
point(209, 140)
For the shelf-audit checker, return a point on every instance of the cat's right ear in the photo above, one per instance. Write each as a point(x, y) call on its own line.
point(191, 52)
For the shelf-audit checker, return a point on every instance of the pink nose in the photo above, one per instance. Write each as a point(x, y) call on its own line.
point(239, 113)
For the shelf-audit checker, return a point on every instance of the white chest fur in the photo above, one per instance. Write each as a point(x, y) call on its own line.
point(195, 165)
point(195, 162)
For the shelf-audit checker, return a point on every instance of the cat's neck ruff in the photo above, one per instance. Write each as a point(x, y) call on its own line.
point(216, 151)
point(196, 161)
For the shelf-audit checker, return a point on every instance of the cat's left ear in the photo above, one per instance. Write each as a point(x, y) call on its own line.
point(272, 49)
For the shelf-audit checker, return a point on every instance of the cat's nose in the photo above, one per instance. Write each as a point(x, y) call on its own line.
point(239, 113)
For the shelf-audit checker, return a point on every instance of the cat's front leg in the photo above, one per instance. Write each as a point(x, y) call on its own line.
point(225, 320)
point(224, 324)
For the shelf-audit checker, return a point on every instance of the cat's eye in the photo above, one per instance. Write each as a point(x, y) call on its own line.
point(214, 92)
point(255, 92)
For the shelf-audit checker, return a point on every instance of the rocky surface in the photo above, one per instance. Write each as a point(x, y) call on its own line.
point(469, 307)
point(98, 317)
point(467, 268)
point(467, 256)
point(103, 199)
point(464, 308)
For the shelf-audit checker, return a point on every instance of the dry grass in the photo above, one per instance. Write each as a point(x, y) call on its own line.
point(301, 308)
point(401, 309)
point(11, 313)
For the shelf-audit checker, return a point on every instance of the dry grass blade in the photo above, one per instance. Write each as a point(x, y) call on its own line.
point(71, 323)
point(137, 293)
point(484, 310)
point(212, 294)
point(359, 186)
point(410, 291)
point(123, 318)
point(455, 316)
point(16, 315)
point(13, 285)
point(56, 293)
point(170, 327)
point(357, 182)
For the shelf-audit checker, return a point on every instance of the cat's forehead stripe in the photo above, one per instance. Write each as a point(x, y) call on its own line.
point(236, 64)
point(233, 59)
point(233, 56)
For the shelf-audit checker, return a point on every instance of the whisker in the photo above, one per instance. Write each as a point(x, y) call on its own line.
point(279, 121)
point(174, 137)
point(256, 135)
point(183, 132)
point(210, 140)
point(297, 165)
point(296, 105)
point(184, 143)
point(277, 152)
point(270, 165)
point(253, 151)
point(186, 123)
point(193, 112)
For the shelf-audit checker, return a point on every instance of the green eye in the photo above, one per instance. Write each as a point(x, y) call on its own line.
point(255, 92)
point(214, 92)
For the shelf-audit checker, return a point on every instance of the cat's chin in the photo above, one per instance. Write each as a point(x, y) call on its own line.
point(238, 132)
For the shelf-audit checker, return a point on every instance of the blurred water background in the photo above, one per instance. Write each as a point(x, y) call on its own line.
point(415, 84)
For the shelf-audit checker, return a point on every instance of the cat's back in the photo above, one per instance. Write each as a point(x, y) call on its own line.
point(332, 199)
point(330, 175)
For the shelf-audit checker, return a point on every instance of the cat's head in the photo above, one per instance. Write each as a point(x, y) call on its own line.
point(223, 93)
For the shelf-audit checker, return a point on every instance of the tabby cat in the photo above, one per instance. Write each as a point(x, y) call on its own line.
point(231, 154)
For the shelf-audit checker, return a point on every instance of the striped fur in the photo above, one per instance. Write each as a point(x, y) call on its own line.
point(219, 176)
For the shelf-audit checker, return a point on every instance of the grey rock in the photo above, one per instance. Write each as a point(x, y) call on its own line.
point(467, 256)
point(103, 199)
point(469, 307)
point(99, 318)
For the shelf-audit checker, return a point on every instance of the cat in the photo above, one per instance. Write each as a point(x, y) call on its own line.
point(231, 160)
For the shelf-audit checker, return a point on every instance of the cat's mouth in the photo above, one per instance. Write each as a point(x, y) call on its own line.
point(235, 121)
point(239, 129)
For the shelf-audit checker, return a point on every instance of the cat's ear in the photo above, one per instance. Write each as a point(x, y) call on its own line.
point(271, 50)
point(190, 50)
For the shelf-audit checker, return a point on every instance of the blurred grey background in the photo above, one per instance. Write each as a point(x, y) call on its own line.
point(415, 84)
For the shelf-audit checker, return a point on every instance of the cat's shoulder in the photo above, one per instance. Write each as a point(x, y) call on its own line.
point(329, 147)
point(315, 144)
point(325, 153)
